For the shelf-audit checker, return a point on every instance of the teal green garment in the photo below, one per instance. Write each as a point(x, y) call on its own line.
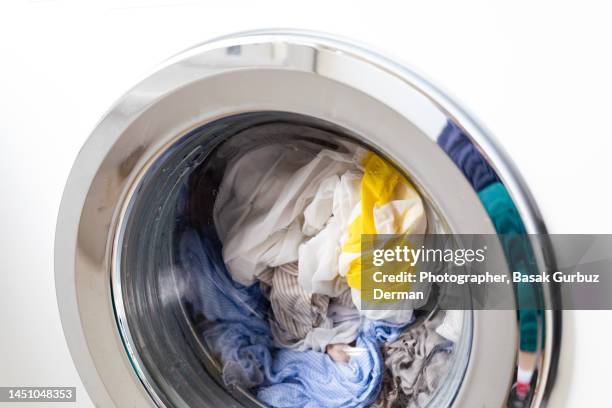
point(515, 242)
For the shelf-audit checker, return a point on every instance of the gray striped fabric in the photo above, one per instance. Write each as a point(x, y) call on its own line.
point(415, 364)
point(295, 312)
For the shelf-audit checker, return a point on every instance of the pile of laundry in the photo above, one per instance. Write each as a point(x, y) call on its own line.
point(278, 281)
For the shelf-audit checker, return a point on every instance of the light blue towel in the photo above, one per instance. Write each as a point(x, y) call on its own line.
point(238, 333)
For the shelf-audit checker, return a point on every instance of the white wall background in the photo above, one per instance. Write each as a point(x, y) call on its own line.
point(539, 75)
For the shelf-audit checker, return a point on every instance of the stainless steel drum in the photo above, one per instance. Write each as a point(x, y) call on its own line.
point(121, 306)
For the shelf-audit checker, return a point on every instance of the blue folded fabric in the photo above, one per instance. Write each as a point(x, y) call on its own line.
point(463, 152)
point(517, 248)
point(501, 209)
point(507, 222)
point(237, 332)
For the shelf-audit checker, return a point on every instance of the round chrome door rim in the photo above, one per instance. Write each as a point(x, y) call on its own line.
point(83, 262)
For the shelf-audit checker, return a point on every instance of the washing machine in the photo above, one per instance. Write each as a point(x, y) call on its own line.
point(124, 307)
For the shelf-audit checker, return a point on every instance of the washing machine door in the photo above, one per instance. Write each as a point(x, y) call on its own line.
point(124, 308)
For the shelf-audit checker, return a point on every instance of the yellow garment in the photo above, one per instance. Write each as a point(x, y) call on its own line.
point(389, 205)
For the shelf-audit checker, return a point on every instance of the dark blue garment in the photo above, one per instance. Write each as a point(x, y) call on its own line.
point(238, 333)
point(463, 152)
